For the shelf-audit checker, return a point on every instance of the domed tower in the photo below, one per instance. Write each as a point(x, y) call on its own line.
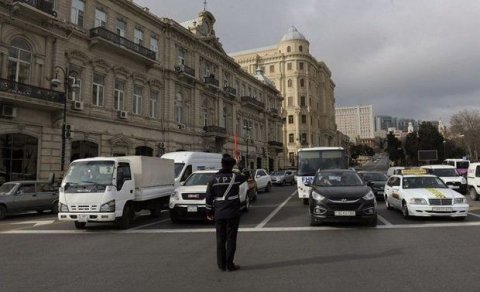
point(294, 42)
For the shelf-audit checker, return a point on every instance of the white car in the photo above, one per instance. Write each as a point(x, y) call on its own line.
point(188, 199)
point(263, 180)
point(449, 175)
point(424, 195)
point(474, 181)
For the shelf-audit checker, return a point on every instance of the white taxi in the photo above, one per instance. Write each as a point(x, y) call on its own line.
point(417, 193)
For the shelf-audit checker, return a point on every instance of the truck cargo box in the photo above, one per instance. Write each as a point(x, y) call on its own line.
point(151, 171)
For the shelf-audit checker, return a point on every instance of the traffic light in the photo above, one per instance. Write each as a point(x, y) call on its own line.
point(68, 131)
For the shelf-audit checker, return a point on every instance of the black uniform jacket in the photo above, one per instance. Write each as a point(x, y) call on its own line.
point(222, 199)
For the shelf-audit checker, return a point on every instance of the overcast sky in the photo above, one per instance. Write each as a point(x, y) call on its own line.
point(408, 58)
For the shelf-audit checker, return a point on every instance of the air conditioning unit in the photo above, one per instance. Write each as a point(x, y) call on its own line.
point(122, 114)
point(9, 111)
point(181, 126)
point(77, 105)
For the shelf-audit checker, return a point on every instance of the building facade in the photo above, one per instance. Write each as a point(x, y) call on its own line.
point(308, 89)
point(356, 122)
point(125, 82)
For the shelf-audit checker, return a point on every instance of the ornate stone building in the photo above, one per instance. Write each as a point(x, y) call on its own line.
point(306, 84)
point(135, 84)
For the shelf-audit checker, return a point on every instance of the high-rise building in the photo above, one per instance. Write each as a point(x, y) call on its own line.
point(307, 86)
point(356, 122)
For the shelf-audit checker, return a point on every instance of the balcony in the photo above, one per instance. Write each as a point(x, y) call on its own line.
point(37, 93)
point(254, 102)
point(219, 132)
point(274, 111)
point(230, 92)
point(40, 7)
point(117, 41)
point(211, 81)
point(278, 146)
point(185, 70)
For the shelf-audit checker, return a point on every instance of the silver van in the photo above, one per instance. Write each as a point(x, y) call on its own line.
point(23, 196)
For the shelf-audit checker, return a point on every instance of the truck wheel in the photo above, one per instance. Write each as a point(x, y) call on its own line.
point(155, 212)
point(473, 194)
point(305, 201)
point(128, 216)
point(80, 225)
point(3, 212)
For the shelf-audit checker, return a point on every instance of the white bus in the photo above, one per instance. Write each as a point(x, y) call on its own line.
point(312, 159)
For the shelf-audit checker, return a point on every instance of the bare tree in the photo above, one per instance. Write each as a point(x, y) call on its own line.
point(467, 123)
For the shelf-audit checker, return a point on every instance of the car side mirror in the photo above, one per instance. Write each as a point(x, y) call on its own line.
point(19, 192)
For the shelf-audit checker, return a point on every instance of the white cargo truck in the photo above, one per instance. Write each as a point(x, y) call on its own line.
point(112, 189)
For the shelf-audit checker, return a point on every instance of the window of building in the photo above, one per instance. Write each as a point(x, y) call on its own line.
point(289, 49)
point(121, 27)
point(290, 101)
point(237, 83)
point(138, 37)
point(77, 12)
point(302, 82)
point(300, 65)
point(272, 68)
point(119, 95)
point(137, 100)
point(304, 119)
point(75, 94)
point(100, 18)
point(302, 101)
point(290, 119)
point(289, 83)
point(19, 61)
point(300, 48)
point(303, 138)
point(154, 104)
point(181, 56)
point(179, 108)
point(289, 66)
point(154, 46)
point(98, 89)
point(291, 138)
point(205, 116)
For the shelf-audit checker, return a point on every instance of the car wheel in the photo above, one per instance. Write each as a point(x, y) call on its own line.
point(405, 210)
point(80, 225)
point(3, 212)
point(372, 222)
point(247, 204)
point(173, 217)
point(55, 208)
point(387, 203)
point(268, 188)
point(305, 201)
point(128, 216)
point(473, 194)
point(313, 221)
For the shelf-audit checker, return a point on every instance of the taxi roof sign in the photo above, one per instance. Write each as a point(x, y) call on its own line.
point(414, 171)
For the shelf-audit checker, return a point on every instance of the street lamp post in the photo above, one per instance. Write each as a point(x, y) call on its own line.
point(68, 75)
point(247, 129)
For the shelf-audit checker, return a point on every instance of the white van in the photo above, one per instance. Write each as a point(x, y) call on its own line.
point(473, 178)
point(394, 170)
point(449, 175)
point(460, 164)
point(186, 162)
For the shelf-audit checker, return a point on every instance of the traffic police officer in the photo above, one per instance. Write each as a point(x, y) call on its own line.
point(223, 206)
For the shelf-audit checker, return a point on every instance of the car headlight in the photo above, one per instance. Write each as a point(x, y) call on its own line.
point(369, 196)
point(464, 181)
point(460, 200)
point(418, 201)
point(175, 196)
point(316, 196)
point(108, 206)
point(62, 207)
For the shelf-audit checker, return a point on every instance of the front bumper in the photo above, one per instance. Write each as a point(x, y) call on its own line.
point(87, 217)
point(461, 188)
point(362, 211)
point(457, 210)
point(185, 211)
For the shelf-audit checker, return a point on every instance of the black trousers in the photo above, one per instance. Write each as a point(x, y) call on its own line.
point(227, 230)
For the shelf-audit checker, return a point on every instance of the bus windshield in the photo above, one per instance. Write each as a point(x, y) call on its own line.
point(311, 160)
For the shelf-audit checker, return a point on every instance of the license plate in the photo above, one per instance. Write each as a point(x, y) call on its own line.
point(344, 213)
point(82, 218)
point(441, 209)
point(192, 209)
point(380, 192)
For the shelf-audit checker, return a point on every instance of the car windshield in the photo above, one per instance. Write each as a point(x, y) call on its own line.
point(423, 182)
point(198, 179)
point(277, 173)
point(463, 164)
point(178, 168)
point(445, 172)
point(6, 188)
point(373, 176)
point(337, 179)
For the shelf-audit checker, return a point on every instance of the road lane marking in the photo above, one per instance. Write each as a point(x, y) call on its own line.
point(383, 220)
point(249, 229)
point(274, 212)
point(474, 215)
point(35, 223)
point(150, 224)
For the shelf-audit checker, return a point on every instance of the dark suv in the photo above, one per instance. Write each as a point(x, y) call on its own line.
point(22, 196)
point(341, 195)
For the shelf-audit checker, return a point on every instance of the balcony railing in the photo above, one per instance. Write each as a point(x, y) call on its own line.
point(275, 144)
point(216, 131)
point(31, 91)
point(42, 5)
point(210, 80)
point(274, 111)
point(186, 70)
point(230, 91)
point(253, 101)
point(119, 40)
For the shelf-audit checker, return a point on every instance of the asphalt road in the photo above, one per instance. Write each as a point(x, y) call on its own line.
point(277, 250)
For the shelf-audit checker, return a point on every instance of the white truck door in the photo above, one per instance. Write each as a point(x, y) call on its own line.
point(125, 187)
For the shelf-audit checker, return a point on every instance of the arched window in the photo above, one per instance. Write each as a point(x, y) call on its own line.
point(19, 61)
point(83, 149)
point(300, 48)
point(302, 82)
point(289, 83)
point(179, 108)
point(289, 49)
